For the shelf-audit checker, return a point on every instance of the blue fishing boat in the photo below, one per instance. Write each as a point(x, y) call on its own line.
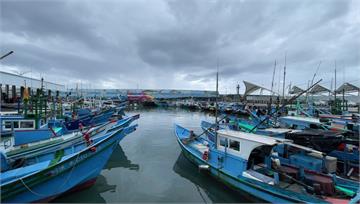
point(26, 149)
point(103, 116)
point(245, 161)
point(242, 125)
point(333, 144)
point(89, 118)
point(66, 170)
point(300, 122)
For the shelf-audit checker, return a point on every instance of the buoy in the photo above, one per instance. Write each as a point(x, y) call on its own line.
point(205, 155)
point(87, 138)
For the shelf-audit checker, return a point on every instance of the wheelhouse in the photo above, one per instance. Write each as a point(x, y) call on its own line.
point(24, 124)
point(242, 144)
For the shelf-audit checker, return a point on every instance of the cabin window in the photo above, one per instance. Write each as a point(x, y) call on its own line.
point(27, 124)
point(8, 124)
point(235, 145)
point(223, 142)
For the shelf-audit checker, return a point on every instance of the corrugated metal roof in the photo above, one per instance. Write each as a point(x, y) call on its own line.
point(347, 87)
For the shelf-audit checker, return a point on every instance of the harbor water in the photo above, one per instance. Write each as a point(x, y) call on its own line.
point(148, 166)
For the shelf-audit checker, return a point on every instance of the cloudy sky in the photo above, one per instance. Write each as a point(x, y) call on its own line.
point(177, 44)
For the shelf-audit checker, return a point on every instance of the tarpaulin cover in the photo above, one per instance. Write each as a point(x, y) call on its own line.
point(24, 137)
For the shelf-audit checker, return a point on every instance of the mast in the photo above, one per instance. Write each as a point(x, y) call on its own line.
point(238, 92)
point(283, 93)
point(272, 87)
point(216, 102)
point(331, 86)
point(335, 85)
point(278, 86)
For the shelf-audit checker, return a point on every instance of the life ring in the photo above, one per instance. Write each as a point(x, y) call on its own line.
point(205, 155)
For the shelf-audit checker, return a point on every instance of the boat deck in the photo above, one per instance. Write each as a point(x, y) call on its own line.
point(199, 146)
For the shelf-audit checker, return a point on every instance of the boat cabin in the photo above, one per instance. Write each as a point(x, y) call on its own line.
point(11, 123)
point(242, 144)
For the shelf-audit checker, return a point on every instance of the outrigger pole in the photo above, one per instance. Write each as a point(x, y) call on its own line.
point(285, 104)
point(312, 80)
point(7, 54)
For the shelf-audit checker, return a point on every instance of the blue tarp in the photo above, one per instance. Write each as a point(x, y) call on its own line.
point(24, 137)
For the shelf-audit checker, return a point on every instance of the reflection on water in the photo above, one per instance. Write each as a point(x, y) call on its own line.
point(119, 159)
point(90, 195)
point(93, 194)
point(147, 166)
point(204, 182)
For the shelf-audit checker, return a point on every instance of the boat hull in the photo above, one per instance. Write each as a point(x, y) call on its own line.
point(55, 180)
point(256, 189)
point(234, 183)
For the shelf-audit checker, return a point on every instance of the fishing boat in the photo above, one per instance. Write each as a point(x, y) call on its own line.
point(89, 118)
point(350, 121)
point(25, 149)
point(331, 143)
point(349, 130)
point(65, 170)
point(244, 161)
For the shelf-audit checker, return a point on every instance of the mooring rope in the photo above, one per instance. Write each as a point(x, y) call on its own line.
point(39, 194)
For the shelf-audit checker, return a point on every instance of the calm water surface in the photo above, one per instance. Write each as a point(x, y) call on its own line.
point(148, 166)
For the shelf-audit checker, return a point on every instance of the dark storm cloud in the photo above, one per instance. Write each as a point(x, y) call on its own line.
point(177, 48)
point(48, 19)
point(178, 44)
